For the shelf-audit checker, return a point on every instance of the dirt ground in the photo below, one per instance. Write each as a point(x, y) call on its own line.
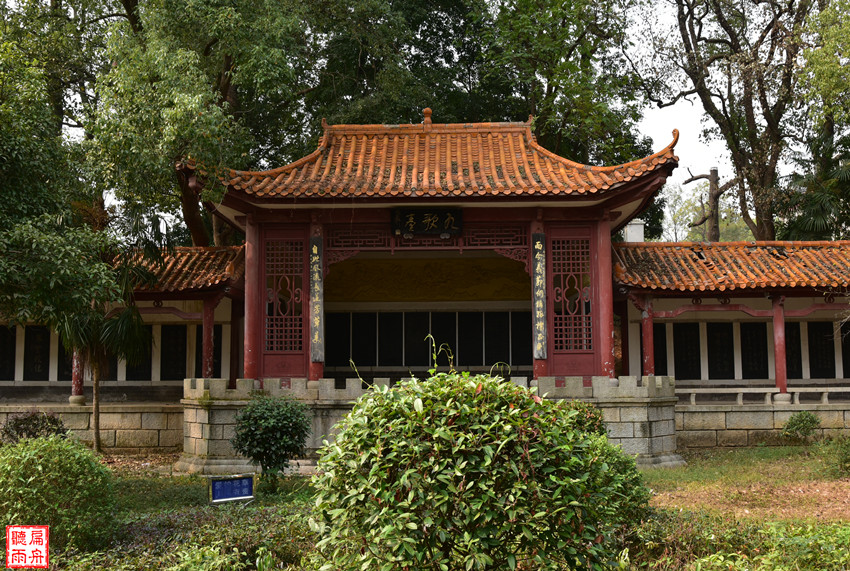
point(821, 501)
point(141, 465)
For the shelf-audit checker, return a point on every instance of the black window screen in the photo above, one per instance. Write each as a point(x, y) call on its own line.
point(66, 365)
point(141, 371)
point(444, 331)
point(337, 339)
point(364, 339)
point(391, 339)
point(521, 338)
point(470, 343)
point(721, 351)
point(754, 357)
point(400, 339)
point(417, 349)
point(199, 351)
point(821, 350)
point(497, 337)
point(686, 355)
point(173, 352)
point(36, 353)
point(7, 353)
point(845, 348)
point(793, 351)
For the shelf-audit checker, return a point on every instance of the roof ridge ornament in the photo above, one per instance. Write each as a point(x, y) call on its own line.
point(427, 121)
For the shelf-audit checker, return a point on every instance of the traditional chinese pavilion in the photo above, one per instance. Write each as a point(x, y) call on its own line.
point(473, 234)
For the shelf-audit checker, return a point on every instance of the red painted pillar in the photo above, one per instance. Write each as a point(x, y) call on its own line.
point(779, 343)
point(605, 304)
point(77, 396)
point(647, 335)
point(253, 289)
point(235, 316)
point(208, 336)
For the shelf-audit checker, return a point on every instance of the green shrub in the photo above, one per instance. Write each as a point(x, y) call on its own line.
point(800, 426)
point(836, 454)
point(271, 431)
point(57, 482)
point(589, 418)
point(31, 424)
point(461, 472)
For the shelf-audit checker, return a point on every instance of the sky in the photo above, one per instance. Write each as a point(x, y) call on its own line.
point(693, 151)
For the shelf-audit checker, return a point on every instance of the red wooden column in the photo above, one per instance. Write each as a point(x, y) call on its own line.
point(647, 335)
point(780, 365)
point(208, 337)
point(253, 287)
point(317, 297)
point(235, 316)
point(605, 303)
point(77, 396)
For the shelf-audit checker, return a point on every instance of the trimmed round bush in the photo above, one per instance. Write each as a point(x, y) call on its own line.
point(58, 482)
point(471, 472)
point(31, 424)
point(800, 426)
point(271, 431)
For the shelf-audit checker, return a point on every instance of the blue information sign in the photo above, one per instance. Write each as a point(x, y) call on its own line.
point(231, 488)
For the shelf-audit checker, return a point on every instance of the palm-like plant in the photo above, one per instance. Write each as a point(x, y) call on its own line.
point(114, 326)
point(818, 204)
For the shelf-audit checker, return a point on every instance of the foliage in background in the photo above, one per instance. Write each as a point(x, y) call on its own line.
point(836, 452)
point(471, 472)
point(800, 426)
point(825, 77)
point(687, 540)
point(58, 482)
point(31, 424)
point(271, 431)
point(740, 61)
point(684, 208)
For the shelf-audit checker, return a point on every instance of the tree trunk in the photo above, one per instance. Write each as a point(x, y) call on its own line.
point(191, 208)
point(95, 404)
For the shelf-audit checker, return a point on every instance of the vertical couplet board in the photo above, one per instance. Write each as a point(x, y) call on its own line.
point(572, 301)
point(539, 287)
point(285, 291)
point(317, 312)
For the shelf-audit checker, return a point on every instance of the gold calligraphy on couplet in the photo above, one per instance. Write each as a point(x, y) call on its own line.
point(317, 345)
point(539, 295)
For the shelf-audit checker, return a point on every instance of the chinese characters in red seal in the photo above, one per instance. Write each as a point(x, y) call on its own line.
point(27, 546)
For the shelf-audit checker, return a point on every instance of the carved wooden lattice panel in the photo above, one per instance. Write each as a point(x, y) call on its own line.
point(571, 295)
point(284, 295)
point(495, 235)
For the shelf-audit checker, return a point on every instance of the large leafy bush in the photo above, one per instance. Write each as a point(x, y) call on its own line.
point(58, 482)
point(471, 472)
point(271, 431)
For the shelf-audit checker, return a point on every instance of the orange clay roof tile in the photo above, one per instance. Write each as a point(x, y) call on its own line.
point(722, 266)
point(194, 269)
point(438, 160)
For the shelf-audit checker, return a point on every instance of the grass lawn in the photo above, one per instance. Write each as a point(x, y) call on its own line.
point(753, 509)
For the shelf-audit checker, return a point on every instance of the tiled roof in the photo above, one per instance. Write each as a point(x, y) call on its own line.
point(193, 269)
point(722, 266)
point(439, 160)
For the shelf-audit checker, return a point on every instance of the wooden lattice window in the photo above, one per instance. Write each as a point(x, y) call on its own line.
point(284, 295)
point(571, 295)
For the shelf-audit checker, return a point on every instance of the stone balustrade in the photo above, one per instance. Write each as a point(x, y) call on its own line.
point(639, 413)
